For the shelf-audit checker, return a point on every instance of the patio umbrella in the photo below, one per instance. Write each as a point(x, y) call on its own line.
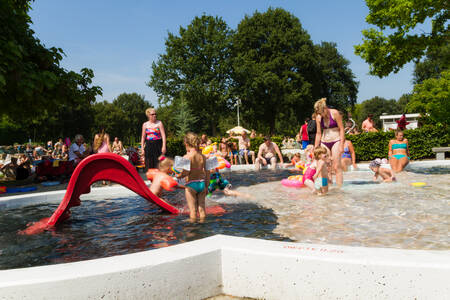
point(238, 130)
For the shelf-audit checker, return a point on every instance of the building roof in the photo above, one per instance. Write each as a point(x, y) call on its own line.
point(399, 116)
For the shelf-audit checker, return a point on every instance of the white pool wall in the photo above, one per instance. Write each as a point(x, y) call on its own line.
point(234, 266)
point(240, 267)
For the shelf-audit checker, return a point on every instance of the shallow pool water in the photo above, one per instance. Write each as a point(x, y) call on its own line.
point(364, 213)
point(361, 213)
point(115, 226)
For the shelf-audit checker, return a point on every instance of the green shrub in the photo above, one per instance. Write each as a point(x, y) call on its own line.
point(369, 146)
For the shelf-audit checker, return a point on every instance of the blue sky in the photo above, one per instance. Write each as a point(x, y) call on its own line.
point(119, 40)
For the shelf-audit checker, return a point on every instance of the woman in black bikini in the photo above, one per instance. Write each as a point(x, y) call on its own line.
point(330, 134)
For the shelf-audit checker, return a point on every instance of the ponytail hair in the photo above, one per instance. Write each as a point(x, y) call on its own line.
point(192, 140)
point(320, 105)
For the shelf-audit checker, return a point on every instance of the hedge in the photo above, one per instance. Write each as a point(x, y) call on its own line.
point(368, 146)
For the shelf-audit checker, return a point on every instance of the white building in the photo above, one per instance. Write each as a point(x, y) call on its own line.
point(389, 121)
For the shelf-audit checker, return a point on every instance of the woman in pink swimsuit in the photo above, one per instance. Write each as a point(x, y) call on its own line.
point(330, 133)
point(153, 139)
point(101, 142)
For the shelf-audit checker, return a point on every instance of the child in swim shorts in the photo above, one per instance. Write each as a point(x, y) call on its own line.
point(218, 182)
point(321, 176)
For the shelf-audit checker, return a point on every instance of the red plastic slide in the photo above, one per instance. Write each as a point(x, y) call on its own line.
point(102, 166)
point(97, 167)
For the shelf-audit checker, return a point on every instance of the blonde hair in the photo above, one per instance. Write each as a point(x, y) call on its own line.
point(165, 163)
point(320, 105)
point(309, 147)
point(98, 141)
point(149, 110)
point(319, 151)
point(192, 140)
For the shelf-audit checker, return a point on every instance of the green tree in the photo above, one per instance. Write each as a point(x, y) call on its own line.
point(338, 80)
point(375, 106)
point(436, 61)
point(30, 76)
point(133, 108)
point(275, 69)
point(44, 99)
point(184, 119)
point(196, 62)
point(398, 41)
point(432, 97)
point(112, 119)
point(403, 101)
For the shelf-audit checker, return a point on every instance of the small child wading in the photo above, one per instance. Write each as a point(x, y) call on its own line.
point(321, 176)
point(197, 179)
point(316, 175)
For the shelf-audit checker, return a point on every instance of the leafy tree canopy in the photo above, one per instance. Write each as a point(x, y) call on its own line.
point(196, 62)
point(376, 106)
point(278, 72)
point(432, 97)
point(275, 69)
point(398, 41)
point(33, 87)
point(436, 61)
point(338, 80)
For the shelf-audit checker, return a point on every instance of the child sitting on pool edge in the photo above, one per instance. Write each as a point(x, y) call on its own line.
point(386, 174)
point(165, 169)
point(197, 178)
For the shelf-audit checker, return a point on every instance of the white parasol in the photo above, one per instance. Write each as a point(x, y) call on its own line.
point(238, 130)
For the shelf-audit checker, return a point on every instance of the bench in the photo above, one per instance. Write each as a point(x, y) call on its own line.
point(440, 152)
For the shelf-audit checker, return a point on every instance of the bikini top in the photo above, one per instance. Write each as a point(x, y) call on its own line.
point(399, 146)
point(346, 150)
point(332, 124)
point(153, 133)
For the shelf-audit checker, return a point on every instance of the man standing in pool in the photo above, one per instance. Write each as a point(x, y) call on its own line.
point(267, 154)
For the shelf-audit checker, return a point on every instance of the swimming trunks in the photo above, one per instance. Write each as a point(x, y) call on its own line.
point(216, 181)
point(346, 153)
point(321, 182)
point(196, 185)
point(305, 144)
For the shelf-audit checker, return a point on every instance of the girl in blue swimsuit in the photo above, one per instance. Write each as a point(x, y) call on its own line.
point(348, 156)
point(197, 178)
point(398, 152)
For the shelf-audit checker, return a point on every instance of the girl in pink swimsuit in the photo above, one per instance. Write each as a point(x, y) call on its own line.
point(101, 142)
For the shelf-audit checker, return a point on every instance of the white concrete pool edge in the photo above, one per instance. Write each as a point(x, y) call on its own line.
point(241, 267)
